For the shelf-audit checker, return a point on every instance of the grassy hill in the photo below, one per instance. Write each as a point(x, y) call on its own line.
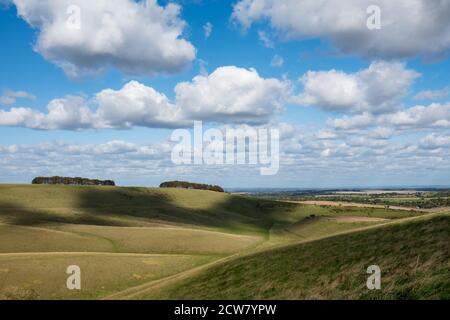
point(134, 236)
point(413, 257)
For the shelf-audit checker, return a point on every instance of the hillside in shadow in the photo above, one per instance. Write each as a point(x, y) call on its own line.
point(136, 206)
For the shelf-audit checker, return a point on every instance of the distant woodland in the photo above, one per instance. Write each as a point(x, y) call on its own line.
point(189, 185)
point(72, 181)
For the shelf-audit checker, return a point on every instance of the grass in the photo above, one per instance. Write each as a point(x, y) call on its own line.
point(132, 207)
point(413, 257)
point(125, 237)
point(43, 275)
point(299, 211)
point(170, 240)
point(14, 239)
point(317, 227)
point(86, 238)
point(43, 229)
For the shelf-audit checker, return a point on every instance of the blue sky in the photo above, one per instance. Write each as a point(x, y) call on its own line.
point(355, 107)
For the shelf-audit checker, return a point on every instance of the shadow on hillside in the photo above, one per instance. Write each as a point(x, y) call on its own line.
point(16, 215)
point(131, 206)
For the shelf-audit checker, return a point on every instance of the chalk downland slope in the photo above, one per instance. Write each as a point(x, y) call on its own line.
point(127, 237)
point(413, 257)
point(43, 275)
point(120, 237)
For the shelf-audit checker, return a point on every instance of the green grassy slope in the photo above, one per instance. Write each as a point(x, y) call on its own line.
point(317, 227)
point(413, 257)
point(45, 227)
point(131, 207)
point(42, 205)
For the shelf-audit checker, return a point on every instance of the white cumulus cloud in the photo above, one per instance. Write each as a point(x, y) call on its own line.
point(408, 27)
point(83, 36)
point(228, 95)
point(433, 116)
point(377, 89)
point(231, 94)
point(135, 105)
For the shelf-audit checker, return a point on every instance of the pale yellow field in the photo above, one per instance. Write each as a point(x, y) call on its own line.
point(168, 239)
point(43, 275)
point(85, 238)
point(19, 239)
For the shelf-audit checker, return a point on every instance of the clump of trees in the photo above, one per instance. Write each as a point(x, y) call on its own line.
point(72, 181)
point(189, 185)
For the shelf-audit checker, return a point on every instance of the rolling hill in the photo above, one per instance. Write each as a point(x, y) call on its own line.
point(127, 238)
point(413, 257)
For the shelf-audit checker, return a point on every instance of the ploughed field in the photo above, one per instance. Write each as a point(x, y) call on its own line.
point(161, 243)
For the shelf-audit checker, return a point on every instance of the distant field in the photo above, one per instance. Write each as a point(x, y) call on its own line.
point(426, 200)
point(408, 199)
point(123, 238)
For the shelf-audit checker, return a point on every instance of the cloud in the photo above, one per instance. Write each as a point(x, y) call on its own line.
point(382, 133)
point(231, 94)
point(432, 94)
point(119, 160)
point(228, 95)
point(69, 113)
point(107, 149)
point(377, 89)
point(277, 61)
point(207, 29)
point(408, 27)
point(434, 141)
point(363, 156)
point(355, 122)
point(7, 100)
point(22, 117)
point(10, 97)
point(115, 147)
point(133, 105)
point(139, 38)
point(136, 105)
point(347, 160)
point(265, 39)
point(433, 116)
